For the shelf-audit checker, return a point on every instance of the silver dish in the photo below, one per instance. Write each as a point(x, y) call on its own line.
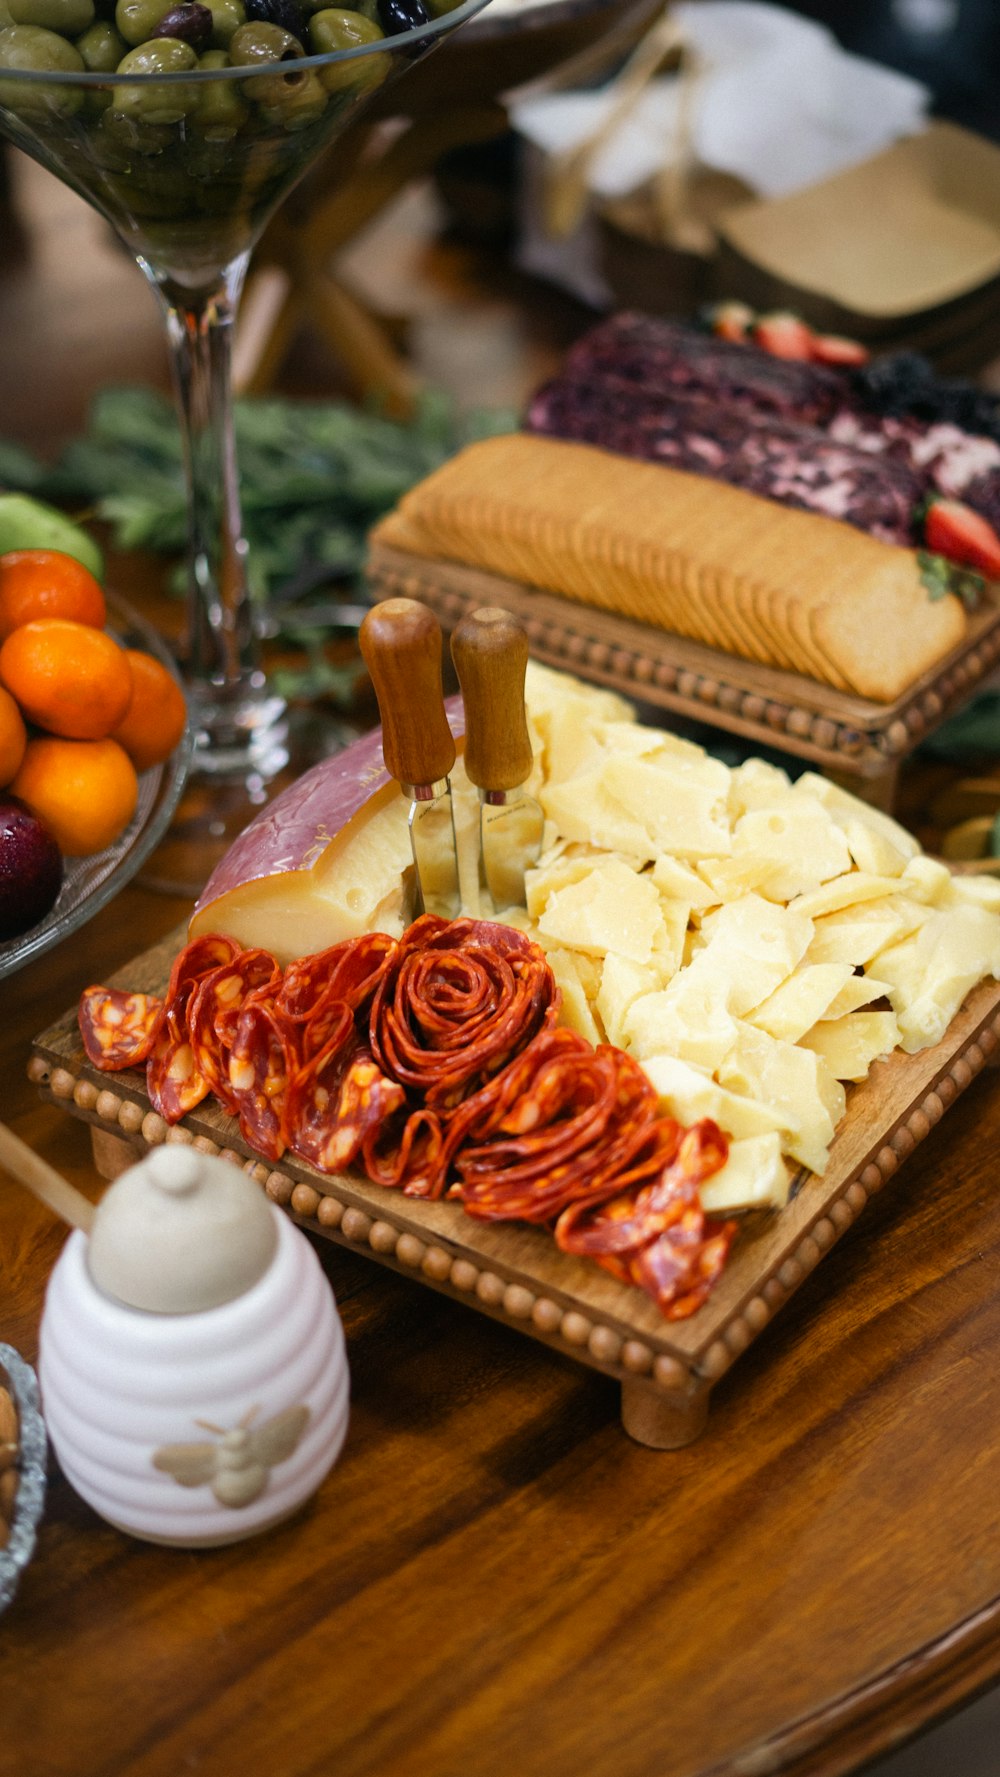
point(29, 1500)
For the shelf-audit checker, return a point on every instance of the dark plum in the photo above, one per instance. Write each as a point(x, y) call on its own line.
point(31, 869)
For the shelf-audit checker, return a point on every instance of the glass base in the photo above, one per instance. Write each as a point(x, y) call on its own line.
point(238, 740)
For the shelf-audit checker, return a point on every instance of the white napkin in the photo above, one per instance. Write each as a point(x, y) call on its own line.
point(778, 104)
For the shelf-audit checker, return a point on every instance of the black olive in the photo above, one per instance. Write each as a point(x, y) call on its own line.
point(190, 22)
point(285, 13)
point(401, 15)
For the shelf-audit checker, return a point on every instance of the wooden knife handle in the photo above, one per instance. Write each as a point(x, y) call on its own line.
point(490, 651)
point(401, 647)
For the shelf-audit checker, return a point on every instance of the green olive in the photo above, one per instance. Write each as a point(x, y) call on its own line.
point(259, 42)
point(299, 105)
point(68, 17)
point(227, 17)
point(128, 136)
point(137, 19)
point(101, 48)
point(220, 110)
point(261, 45)
point(335, 28)
point(160, 103)
point(31, 47)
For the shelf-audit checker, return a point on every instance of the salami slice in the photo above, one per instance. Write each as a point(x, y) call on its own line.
point(460, 999)
point(659, 1237)
point(337, 1100)
point(411, 1154)
point(314, 988)
point(576, 1120)
point(214, 1013)
point(262, 1062)
point(174, 1080)
point(118, 1028)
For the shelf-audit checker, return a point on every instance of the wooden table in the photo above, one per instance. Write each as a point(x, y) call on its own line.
point(494, 1574)
point(494, 1577)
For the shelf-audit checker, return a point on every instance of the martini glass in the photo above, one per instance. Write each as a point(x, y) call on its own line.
point(187, 145)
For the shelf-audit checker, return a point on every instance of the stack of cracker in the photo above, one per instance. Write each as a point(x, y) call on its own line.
point(686, 554)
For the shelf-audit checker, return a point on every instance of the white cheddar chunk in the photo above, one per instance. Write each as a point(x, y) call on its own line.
point(689, 1093)
point(681, 809)
point(806, 996)
point(785, 1077)
point(849, 1045)
point(679, 882)
point(753, 1177)
point(613, 909)
point(858, 991)
point(752, 946)
point(844, 807)
point(872, 851)
point(930, 973)
point(845, 891)
point(585, 810)
point(689, 1019)
point(575, 1011)
point(622, 982)
point(800, 843)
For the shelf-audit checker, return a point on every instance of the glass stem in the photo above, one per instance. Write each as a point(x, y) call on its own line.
point(235, 714)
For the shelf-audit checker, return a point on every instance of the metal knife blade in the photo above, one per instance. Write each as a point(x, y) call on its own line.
point(490, 651)
point(401, 647)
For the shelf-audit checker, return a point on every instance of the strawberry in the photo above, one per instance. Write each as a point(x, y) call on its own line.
point(732, 320)
point(831, 348)
point(952, 529)
point(784, 335)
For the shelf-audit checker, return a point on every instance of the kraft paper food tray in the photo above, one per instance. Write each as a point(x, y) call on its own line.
point(515, 1273)
point(907, 240)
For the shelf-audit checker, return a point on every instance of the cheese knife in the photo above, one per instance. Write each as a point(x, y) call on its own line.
point(401, 647)
point(490, 651)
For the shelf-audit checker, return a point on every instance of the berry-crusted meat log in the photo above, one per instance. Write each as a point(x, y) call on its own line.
point(945, 434)
point(781, 459)
point(666, 358)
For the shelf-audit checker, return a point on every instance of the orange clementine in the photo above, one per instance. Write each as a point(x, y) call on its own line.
point(46, 583)
point(157, 715)
point(85, 791)
point(67, 677)
point(13, 737)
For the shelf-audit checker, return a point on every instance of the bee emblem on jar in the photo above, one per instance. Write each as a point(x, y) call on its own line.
point(237, 1467)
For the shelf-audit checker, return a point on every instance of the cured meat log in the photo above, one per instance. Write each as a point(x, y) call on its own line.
point(665, 358)
point(781, 459)
point(799, 433)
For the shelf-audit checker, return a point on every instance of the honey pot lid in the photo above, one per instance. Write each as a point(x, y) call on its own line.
point(180, 1232)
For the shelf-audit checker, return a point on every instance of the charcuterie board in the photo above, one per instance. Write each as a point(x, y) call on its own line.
point(515, 1273)
point(860, 741)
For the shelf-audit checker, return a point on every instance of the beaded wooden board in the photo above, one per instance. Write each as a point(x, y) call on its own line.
point(515, 1273)
point(850, 736)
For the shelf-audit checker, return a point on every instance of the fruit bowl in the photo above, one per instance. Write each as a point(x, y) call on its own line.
point(90, 882)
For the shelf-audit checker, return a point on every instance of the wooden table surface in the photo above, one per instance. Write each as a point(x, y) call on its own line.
point(493, 1577)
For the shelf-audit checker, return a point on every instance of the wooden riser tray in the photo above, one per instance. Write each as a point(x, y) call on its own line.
point(515, 1273)
point(850, 736)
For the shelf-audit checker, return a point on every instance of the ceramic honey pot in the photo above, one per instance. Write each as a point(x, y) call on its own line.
point(192, 1366)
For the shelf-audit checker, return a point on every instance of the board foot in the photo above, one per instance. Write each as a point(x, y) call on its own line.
point(660, 1420)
